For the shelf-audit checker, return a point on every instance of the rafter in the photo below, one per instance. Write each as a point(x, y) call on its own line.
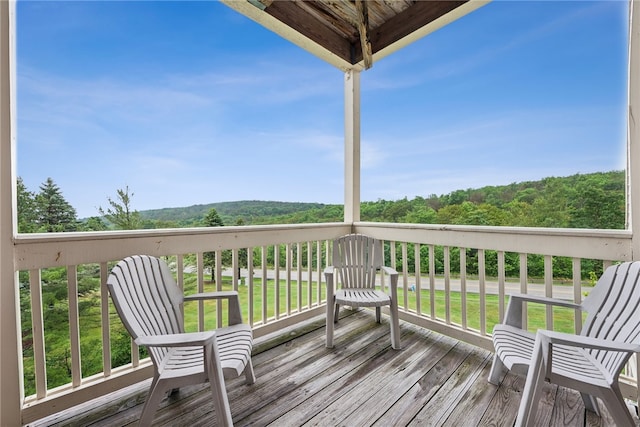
point(363, 29)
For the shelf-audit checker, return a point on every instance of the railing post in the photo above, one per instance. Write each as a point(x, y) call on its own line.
point(633, 128)
point(11, 389)
point(633, 141)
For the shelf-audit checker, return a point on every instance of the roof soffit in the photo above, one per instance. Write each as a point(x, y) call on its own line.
point(337, 30)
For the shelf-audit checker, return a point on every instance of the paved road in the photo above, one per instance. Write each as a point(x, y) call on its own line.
point(473, 286)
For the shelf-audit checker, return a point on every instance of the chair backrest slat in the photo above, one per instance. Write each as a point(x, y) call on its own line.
point(146, 298)
point(357, 258)
point(613, 308)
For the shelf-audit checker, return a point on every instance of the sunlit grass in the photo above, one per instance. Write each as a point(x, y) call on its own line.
point(563, 319)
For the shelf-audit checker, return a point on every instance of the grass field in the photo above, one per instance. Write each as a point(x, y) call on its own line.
point(563, 319)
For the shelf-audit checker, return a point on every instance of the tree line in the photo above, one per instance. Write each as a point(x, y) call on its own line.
point(595, 201)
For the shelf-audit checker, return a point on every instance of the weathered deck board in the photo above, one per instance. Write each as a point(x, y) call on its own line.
point(433, 381)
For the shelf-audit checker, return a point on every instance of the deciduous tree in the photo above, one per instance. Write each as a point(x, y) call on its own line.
point(120, 213)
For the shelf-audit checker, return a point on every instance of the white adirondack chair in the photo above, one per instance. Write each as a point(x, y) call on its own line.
point(590, 362)
point(148, 301)
point(356, 260)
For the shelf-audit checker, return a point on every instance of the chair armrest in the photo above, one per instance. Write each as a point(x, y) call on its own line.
point(513, 316)
point(545, 300)
point(388, 270)
point(211, 295)
point(393, 281)
point(561, 338)
point(187, 339)
point(545, 340)
point(235, 312)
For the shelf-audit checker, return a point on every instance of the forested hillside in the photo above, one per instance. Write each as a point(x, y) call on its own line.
point(594, 200)
point(230, 212)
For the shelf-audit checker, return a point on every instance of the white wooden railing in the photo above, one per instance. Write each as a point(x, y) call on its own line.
point(443, 302)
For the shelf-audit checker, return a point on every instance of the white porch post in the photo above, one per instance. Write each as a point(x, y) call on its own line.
point(633, 129)
point(633, 149)
point(352, 146)
point(11, 391)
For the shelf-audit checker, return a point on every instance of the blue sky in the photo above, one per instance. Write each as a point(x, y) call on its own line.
point(191, 103)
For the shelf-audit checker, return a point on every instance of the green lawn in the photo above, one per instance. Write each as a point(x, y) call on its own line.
point(563, 319)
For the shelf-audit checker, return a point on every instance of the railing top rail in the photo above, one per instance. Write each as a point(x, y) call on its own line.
point(569, 242)
point(62, 249)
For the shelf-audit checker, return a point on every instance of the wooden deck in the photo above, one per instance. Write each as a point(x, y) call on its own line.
point(434, 380)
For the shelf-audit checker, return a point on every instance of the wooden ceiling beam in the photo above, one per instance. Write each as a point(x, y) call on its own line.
point(363, 30)
point(295, 17)
point(408, 21)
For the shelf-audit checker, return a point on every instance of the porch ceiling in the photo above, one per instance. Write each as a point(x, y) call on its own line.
point(353, 34)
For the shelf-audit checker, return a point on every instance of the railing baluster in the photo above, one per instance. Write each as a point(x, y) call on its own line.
point(309, 275)
point(37, 330)
point(288, 284)
point(463, 287)
point(432, 281)
point(276, 261)
point(483, 292)
point(180, 277)
point(299, 271)
point(218, 283)
point(548, 288)
point(524, 275)
point(105, 321)
point(250, 284)
point(447, 284)
point(501, 284)
point(319, 272)
point(392, 254)
point(405, 274)
point(200, 275)
point(235, 269)
point(577, 293)
point(265, 281)
point(74, 326)
point(418, 276)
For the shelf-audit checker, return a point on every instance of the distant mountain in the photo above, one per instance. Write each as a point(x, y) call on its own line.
point(230, 212)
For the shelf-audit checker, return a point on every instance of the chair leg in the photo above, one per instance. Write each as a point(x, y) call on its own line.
point(614, 401)
point(336, 313)
point(250, 377)
point(532, 389)
point(378, 317)
point(216, 381)
point(590, 403)
point(497, 370)
point(395, 326)
point(330, 321)
point(156, 394)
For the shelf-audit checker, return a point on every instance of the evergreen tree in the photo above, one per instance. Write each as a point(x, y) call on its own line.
point(120, 212)
point(27, 214)
point(212, 219)
point(54, 213)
